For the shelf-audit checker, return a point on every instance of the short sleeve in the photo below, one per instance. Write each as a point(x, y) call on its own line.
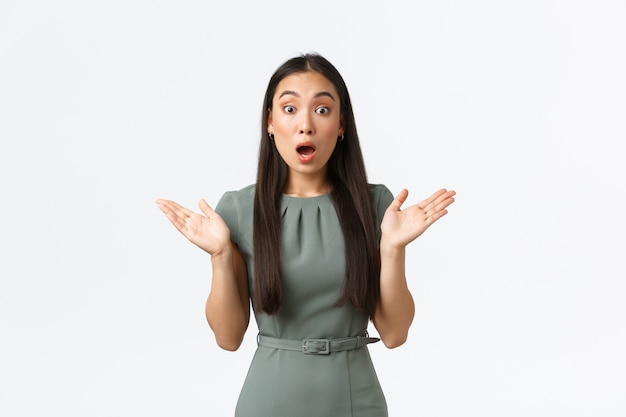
point(228, 209)
point(381, 198)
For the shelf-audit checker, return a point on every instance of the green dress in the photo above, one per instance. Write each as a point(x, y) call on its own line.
point(283, 383)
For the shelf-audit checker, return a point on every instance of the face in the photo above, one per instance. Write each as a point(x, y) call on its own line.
point(306, 123)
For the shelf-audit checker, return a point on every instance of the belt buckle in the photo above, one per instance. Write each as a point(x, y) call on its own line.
point(316, 346)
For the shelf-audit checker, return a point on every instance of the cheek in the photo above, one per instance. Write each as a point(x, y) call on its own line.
point(332, 127)
point(328, 146)
point(281, 147)
point(281, 124)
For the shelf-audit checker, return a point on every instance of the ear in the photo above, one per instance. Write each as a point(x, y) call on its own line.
point(270, 126)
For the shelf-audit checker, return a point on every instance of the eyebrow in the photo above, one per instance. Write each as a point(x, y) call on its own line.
point(320, 94)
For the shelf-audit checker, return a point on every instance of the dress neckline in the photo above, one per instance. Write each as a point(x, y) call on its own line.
point(291, 197)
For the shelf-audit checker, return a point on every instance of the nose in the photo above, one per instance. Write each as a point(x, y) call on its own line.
point(306, 124)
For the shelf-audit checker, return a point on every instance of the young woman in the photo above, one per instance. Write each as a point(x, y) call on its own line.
point(316, 249)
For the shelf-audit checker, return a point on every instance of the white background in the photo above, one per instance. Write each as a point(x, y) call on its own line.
point(518, 106)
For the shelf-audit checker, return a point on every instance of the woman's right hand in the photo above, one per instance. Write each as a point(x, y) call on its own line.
point(209, 231)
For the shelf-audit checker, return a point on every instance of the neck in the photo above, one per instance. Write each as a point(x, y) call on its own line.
point(306, 186)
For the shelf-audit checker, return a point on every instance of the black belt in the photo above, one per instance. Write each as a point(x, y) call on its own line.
point(316, 346)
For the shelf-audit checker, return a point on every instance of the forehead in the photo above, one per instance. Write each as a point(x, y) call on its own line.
point(306, 84)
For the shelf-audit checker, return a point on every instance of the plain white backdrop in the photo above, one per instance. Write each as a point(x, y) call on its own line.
point(517, 105)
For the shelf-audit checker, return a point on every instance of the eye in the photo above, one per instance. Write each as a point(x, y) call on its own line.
point(289, 109)
point(322, 110)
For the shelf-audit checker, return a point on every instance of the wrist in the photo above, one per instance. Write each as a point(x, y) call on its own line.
point(224, 255)
point(389, 248)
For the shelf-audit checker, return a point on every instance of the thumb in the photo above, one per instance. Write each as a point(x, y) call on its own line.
point(399, 200)
point(206, 209)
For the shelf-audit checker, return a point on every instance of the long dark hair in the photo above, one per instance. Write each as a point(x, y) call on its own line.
point(350, 195)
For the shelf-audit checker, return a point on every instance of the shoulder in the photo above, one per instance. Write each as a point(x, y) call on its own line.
point(380, 193)
point(236, 200)
point(236, 208)
point(248, 190)
point(377, 188)
point(381, 198)
point(239, 197)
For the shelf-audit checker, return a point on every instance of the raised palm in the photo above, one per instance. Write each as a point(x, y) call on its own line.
point(400, 227)
point(208, 231)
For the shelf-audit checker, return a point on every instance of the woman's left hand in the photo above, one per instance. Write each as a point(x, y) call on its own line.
point(400, 227)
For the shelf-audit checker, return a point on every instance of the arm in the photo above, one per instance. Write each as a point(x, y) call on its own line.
point(228, 304)
point(396, 308)
point(227, 307)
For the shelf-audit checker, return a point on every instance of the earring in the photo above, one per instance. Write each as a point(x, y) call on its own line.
point(270, 135)
point(340, 138)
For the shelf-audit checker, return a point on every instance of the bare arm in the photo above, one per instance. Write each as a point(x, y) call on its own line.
point(396, 308)
point(227, 307)
point(228, 304)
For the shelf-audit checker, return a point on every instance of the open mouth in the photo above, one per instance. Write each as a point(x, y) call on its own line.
point(305, 150)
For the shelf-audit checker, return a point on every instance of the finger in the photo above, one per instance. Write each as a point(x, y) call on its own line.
point(179, 210)
point(445, 202)
point(171, 205)
point(437, 194)
point(176, 213)
point(162, 205)
point(438, 208)
point(178, 222)
point(399, 200)
point(167, 207)
point(206, 208)
point(435, 199)
point(436, 216)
